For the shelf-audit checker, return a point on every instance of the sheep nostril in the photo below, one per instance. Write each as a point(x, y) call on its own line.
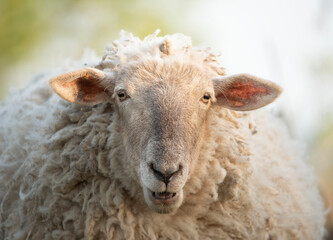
point(164, 177)
point(159, 175)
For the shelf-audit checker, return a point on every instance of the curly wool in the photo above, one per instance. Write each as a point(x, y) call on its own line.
point(129, 49)
point(61, 176)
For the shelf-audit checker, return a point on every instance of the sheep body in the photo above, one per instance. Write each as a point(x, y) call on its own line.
point(62, 178)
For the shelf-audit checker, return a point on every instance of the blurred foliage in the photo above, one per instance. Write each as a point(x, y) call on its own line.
point(323, 67)
point(30, 24)
point(322, 160)
point(22, 25)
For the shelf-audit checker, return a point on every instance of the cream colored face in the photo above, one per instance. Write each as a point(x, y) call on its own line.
point(162, 109)
point(163, 117)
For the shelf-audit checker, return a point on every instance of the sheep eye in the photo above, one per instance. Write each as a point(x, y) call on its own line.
point(122, 95)
point(206, 98)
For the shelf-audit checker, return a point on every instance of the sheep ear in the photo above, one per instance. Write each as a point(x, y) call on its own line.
point(82, 87)
point(244, 92)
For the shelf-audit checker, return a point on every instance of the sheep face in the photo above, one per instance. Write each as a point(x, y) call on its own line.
point(162, 110)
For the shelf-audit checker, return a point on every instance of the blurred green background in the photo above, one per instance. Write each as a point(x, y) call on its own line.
point(37, 33)
point(295, 50)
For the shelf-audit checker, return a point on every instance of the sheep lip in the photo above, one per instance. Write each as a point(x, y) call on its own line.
point(164, 197)
point(163, 202)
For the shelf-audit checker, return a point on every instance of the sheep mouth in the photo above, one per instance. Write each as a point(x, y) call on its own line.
point(163, 196)
point(163, 202)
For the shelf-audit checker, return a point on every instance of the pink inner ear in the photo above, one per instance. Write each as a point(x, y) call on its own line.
point(83, 89)
point(245, 90)
point(239, 93)
point(88, 90)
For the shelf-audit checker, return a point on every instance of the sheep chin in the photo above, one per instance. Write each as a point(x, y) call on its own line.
point(163, 207)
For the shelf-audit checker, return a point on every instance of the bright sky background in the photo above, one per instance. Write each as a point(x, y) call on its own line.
point(283, 41)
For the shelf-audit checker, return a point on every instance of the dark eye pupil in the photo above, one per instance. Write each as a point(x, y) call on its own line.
point(122, 95)
point(206, 97)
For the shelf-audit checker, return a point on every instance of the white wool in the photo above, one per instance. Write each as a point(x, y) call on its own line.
point(60, 176)
point(129, 49)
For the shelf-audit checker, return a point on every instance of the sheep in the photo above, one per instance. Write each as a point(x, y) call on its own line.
point(152, 142)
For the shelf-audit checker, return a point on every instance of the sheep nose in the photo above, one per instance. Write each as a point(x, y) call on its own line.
point(165, 176)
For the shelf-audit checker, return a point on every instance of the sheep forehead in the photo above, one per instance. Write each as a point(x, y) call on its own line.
point(183, 77)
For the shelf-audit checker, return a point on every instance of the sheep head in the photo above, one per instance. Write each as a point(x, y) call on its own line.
point(163, 107)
